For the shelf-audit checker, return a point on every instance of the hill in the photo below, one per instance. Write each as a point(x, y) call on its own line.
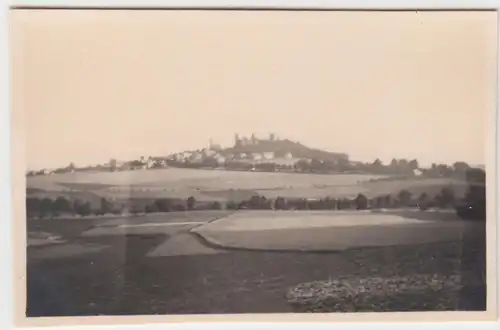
point(282, 147)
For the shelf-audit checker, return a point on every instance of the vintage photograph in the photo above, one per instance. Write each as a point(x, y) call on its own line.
point(252, 161)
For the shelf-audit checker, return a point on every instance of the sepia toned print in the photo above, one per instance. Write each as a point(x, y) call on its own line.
point(229, 162)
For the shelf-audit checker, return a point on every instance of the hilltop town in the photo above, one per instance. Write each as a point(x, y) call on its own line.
point(271, 154)
point(245, 153)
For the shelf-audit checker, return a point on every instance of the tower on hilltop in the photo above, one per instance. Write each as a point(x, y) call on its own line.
point(237, 141)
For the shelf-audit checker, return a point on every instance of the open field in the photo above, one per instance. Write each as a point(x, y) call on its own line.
point(215, 185)
point(153, 265)
point(331, 230)
point(236, 261)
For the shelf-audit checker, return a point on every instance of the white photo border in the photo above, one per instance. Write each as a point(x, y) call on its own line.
point(6, 287)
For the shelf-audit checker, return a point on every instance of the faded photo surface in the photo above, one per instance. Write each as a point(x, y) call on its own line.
point(228, 162)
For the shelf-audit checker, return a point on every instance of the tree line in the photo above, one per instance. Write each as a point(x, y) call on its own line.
point(47, 207)
point(401, 167)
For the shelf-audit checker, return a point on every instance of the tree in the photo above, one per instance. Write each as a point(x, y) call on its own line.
point(231, 205)
point(404, 197)
point(191, 202)
point(77, 204)
point(280, 204)
point(380, 202)
point(303, 204)
point(423, 201)
point(447, 197)
point(151, 208)
point(343, 164)
point(387, 201)
point(343, 204)
point(460, 169)
point(106, 206)
point(361, 202)
point(377, 165)
point(32, 206)
point(303, 166)
point(330, 204)
point(254, 202)
point(84, 209)
point(328, 165)
point(316, 164)
point(216, 206)
point(403, 163)
point(444, 170)
point(45, 207)
point(163, 205)
point(62, 205)
point(413, 164)
point(179, 207)
point(112, 164)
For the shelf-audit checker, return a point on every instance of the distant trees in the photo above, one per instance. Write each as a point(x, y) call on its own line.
point(106, 206)
point(151, 208)
point(259, 203)
point(423, 201)
point(446, 198)
point(280, 204)
point(45, 207)
point(460, 167)
point(162, 205)
point(216, 206)
point(303, 166)
point(413, 164)
point(112, 165)
point(191, 201)
point(61, 205)
point(344, 204)
point(361, 202)
point(32, 206)
point(231, 205)
point(404, 197)
point(84, 209)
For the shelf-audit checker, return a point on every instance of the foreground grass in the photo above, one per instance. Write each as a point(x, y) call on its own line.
point(419, 292)
point(121, 280)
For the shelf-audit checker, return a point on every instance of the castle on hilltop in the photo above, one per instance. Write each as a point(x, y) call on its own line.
point(253, 140)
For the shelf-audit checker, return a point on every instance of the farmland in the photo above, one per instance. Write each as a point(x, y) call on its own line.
point(154, 265)
point(215, 185)
point(236, 261)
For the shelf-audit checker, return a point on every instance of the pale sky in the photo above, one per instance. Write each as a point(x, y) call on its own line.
point(121, 84)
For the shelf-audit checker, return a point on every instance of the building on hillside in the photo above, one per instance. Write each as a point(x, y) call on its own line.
point(220, 159)
point(179, 157)
point(150, 163)
point(268, 155)
point(196, 157)
point(257, 156)
point(209, 152)
point(288, 155)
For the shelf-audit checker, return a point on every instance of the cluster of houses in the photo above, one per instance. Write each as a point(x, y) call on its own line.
point(111, 166)
point(141, 164)
point(221, 158)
